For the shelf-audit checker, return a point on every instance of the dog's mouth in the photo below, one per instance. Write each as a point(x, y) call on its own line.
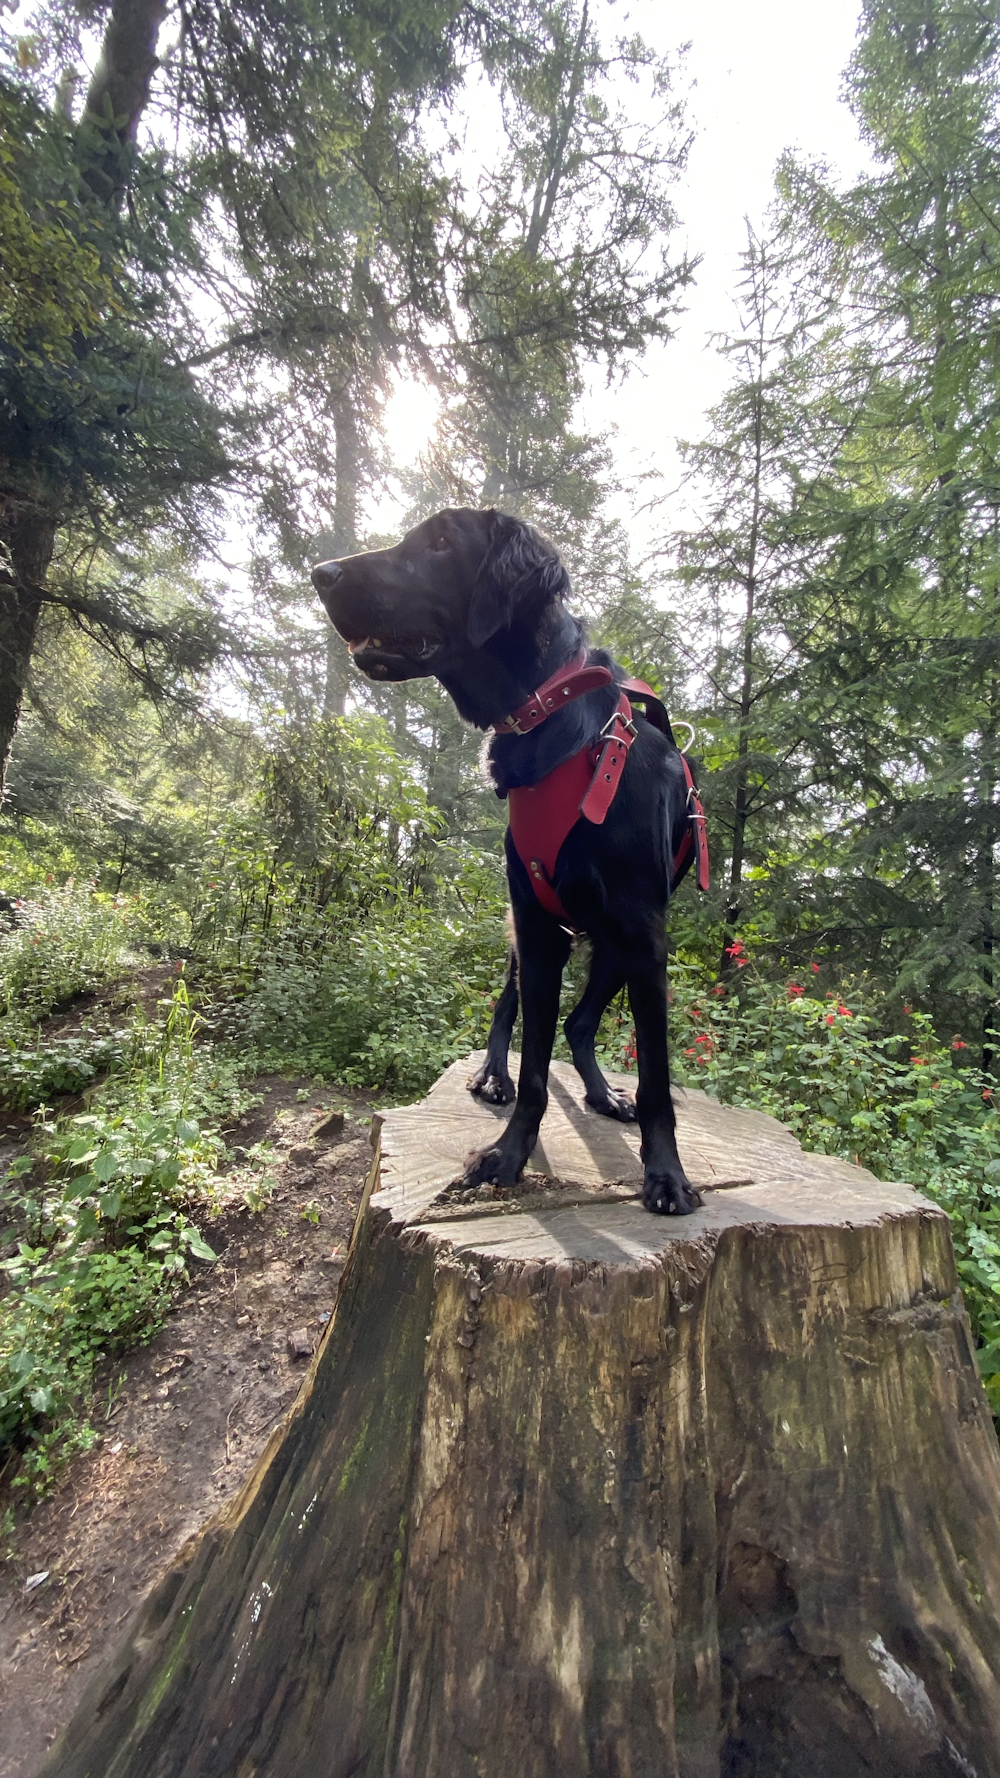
point(376, 655)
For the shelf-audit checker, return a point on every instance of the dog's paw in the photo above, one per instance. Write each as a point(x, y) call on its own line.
point(670, 1195)
point(491, 1166)
point(617, 1105)
point(495, 1087)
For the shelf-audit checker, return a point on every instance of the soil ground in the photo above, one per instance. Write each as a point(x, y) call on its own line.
point(182, 1420)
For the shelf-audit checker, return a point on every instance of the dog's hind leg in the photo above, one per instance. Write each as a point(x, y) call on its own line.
point(492, 1080)
point(666, 1188)
point(606, 979)
point(542, 947)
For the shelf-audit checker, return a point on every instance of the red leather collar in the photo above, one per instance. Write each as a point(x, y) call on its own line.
point(568, 683)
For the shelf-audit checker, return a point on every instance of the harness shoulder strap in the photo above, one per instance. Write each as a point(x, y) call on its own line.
point(653, 707)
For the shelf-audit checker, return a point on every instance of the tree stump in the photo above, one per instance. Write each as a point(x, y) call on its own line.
point(577, 1490)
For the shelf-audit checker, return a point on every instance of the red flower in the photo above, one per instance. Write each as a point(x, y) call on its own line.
point(794, 990)
point(987, 1092)
point(719, 988)
point(846, 1011)
point(830, 1018)
point(703, 1040)
point(736, 948)
point(815, 968)
point(908, 1011)
point(920, 1061)
point(957, 1044)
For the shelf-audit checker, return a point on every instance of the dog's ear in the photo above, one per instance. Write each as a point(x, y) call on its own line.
point(519, 565)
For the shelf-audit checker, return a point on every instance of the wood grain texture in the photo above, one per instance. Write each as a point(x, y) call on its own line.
point(578, 1490)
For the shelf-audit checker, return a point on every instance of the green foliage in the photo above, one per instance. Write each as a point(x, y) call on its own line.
point(59, 1316)
point(103, 1200)
point(35, 1070)
point(386, 1004)
point(64, 942)
point(56, 284)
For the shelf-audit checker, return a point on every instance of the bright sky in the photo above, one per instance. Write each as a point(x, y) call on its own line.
point(766, 76)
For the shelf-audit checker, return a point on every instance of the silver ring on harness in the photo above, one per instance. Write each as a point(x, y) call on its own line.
point(692, 731)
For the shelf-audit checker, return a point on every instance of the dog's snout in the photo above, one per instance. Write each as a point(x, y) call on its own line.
point(326, 575)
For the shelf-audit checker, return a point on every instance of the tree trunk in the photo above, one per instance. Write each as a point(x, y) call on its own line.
point(345, 542)
point(28, 539)
point(577, 1490)
point(757, 350)
point(115, 101)
point(119, 93)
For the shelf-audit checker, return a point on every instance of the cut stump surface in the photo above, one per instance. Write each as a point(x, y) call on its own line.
point(579, 1490)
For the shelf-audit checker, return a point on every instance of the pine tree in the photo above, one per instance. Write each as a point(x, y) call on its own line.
point(901, 617)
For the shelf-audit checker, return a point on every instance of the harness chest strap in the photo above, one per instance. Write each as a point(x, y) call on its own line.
point(585, 785)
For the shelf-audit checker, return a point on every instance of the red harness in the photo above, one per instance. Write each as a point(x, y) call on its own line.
point(584, 786)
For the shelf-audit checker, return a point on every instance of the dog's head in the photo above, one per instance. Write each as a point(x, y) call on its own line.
point(466, 595)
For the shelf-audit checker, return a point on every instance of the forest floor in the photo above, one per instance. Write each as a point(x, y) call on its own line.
point(182, 1420)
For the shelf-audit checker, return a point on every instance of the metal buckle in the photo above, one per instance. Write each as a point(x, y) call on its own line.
point(627, 724)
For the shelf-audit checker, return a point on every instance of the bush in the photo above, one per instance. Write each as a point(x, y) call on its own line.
point(63, 943)
point(386, 1004)
point(105, 1199)
point(62, 1313)
point(35, 1070)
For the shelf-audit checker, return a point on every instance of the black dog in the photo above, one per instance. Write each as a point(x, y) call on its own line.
point(476, 599)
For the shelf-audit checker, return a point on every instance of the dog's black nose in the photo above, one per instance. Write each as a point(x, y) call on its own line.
point(326, 575)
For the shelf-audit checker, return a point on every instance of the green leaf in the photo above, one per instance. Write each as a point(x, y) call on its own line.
point(198, 1245)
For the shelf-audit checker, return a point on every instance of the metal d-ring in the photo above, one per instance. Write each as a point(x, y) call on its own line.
point(692, 731)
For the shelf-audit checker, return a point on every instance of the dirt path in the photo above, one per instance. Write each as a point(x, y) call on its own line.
point(182, 1421)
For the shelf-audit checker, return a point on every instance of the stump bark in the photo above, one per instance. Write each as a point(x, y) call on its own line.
point(577, 1490)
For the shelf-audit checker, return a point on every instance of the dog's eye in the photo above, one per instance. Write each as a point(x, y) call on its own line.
point(440, 542)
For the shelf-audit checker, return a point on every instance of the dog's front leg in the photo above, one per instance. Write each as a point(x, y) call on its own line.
point(492, 1080)
point(665, 1189)
point(542, 948)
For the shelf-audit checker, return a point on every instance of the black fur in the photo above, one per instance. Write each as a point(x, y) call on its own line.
point(476, 598)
